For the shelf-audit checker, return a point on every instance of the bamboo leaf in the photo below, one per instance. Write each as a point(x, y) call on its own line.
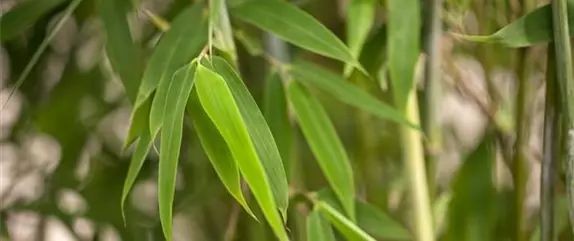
point(325, 145)
point(184, 40)
point(219, 104)
point(360, 19)
point(318, 229)
point(530, 29)
point(217, 152)
point(344, 225)
point(403, 46)
point(295, 26)
point(380, 224)
point(23, 15)
point(250, 43)
point(221, 27)
point(338, 87)
point(276, 114)
point(123, 53)
point(177, 97)
point(259, 132)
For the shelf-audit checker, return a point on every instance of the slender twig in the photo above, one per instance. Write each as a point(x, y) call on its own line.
point(566, 86)
point(551, 148)
point(232, 224)
point(433, 91)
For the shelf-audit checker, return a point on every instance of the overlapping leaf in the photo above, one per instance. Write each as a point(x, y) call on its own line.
point(318, 228)
point(350, 230)
point(325, 145)
point(23, 15)
point(258, 130)
point(220, 28)
point(295, 26)
point(360, 19)
point(218, 102)
point(217, 151)
point(379, 224)
point(346, 92)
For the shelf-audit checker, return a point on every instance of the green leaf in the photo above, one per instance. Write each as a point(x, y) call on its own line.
point(259, 131)
point(379, 224)
point(251, 43)
point(295, 26)
point(344, 225)
point(338, 87)
point(325, 145)
point(276, 114)
point(221, 28)
point(318, 229)
point(360, 19)
point(403, 46)
point(23, 15)
point(530, 29)
point(123, 53)
point(217, 152)
point(218, 102)
point(177, 96)
point(184, 40)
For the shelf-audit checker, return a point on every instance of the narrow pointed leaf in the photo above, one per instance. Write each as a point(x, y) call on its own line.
point(360, 19)
point(277, 115)
point(23, 15)
point(221, 27)
point(251, 43)
point(218, 102)
point(184, 40)
point(259, 132)
point(338, 87)
point(295, 26)
point(350, 230)
point(217, 152)
point(530, 29)
point(123, 53)
point(318, 227)
point(379, 224)
point(325, 145)
point(178, 95)
point(403, 46)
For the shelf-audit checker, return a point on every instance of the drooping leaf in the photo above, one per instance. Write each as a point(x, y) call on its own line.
point(218, 102)
point(472, 207)
point(350, 230)
point(258, 130)
point(403, 46)
point(221, 28)
point(217, 152)
point(184, 40)
point(123, 53)
point(295, 26)
point(325, 145)
point(318, 228)
point(177, 97)
point(23, 15)
point(379, 224)
point(338, 87)
point(360, 19)
point(530, 29)
point(277, 115)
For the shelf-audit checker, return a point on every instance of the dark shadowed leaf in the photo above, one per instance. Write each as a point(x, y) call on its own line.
point(325, 145)
point(379, 224)
point(318, 227)
point(23, 15)
point(251, 43)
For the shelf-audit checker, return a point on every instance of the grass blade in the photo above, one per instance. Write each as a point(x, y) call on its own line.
point(338, 87)
point(217, 152)
point(350, 230)
point(23, 16)
point(177, 97)
point(259, 131)
point(318, 229)
point(325, 145)
point(360, 19)
point(218, 102)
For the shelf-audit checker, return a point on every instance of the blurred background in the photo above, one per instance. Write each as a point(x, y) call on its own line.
point(61, 133)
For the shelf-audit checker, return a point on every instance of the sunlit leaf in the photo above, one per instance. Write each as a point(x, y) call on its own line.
point(325, 145)
point(171, 134)
point(379, 224)
point(219, 104)
point(530, 29)
point(350, 230)
point(318, 228)
point(259, 132)
point(403, 46)
point(23, 15)
point(338, 87)
point(295, 26)
point(360, 19)
point(217, 151)
point(123, 53)
point(277, 115)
